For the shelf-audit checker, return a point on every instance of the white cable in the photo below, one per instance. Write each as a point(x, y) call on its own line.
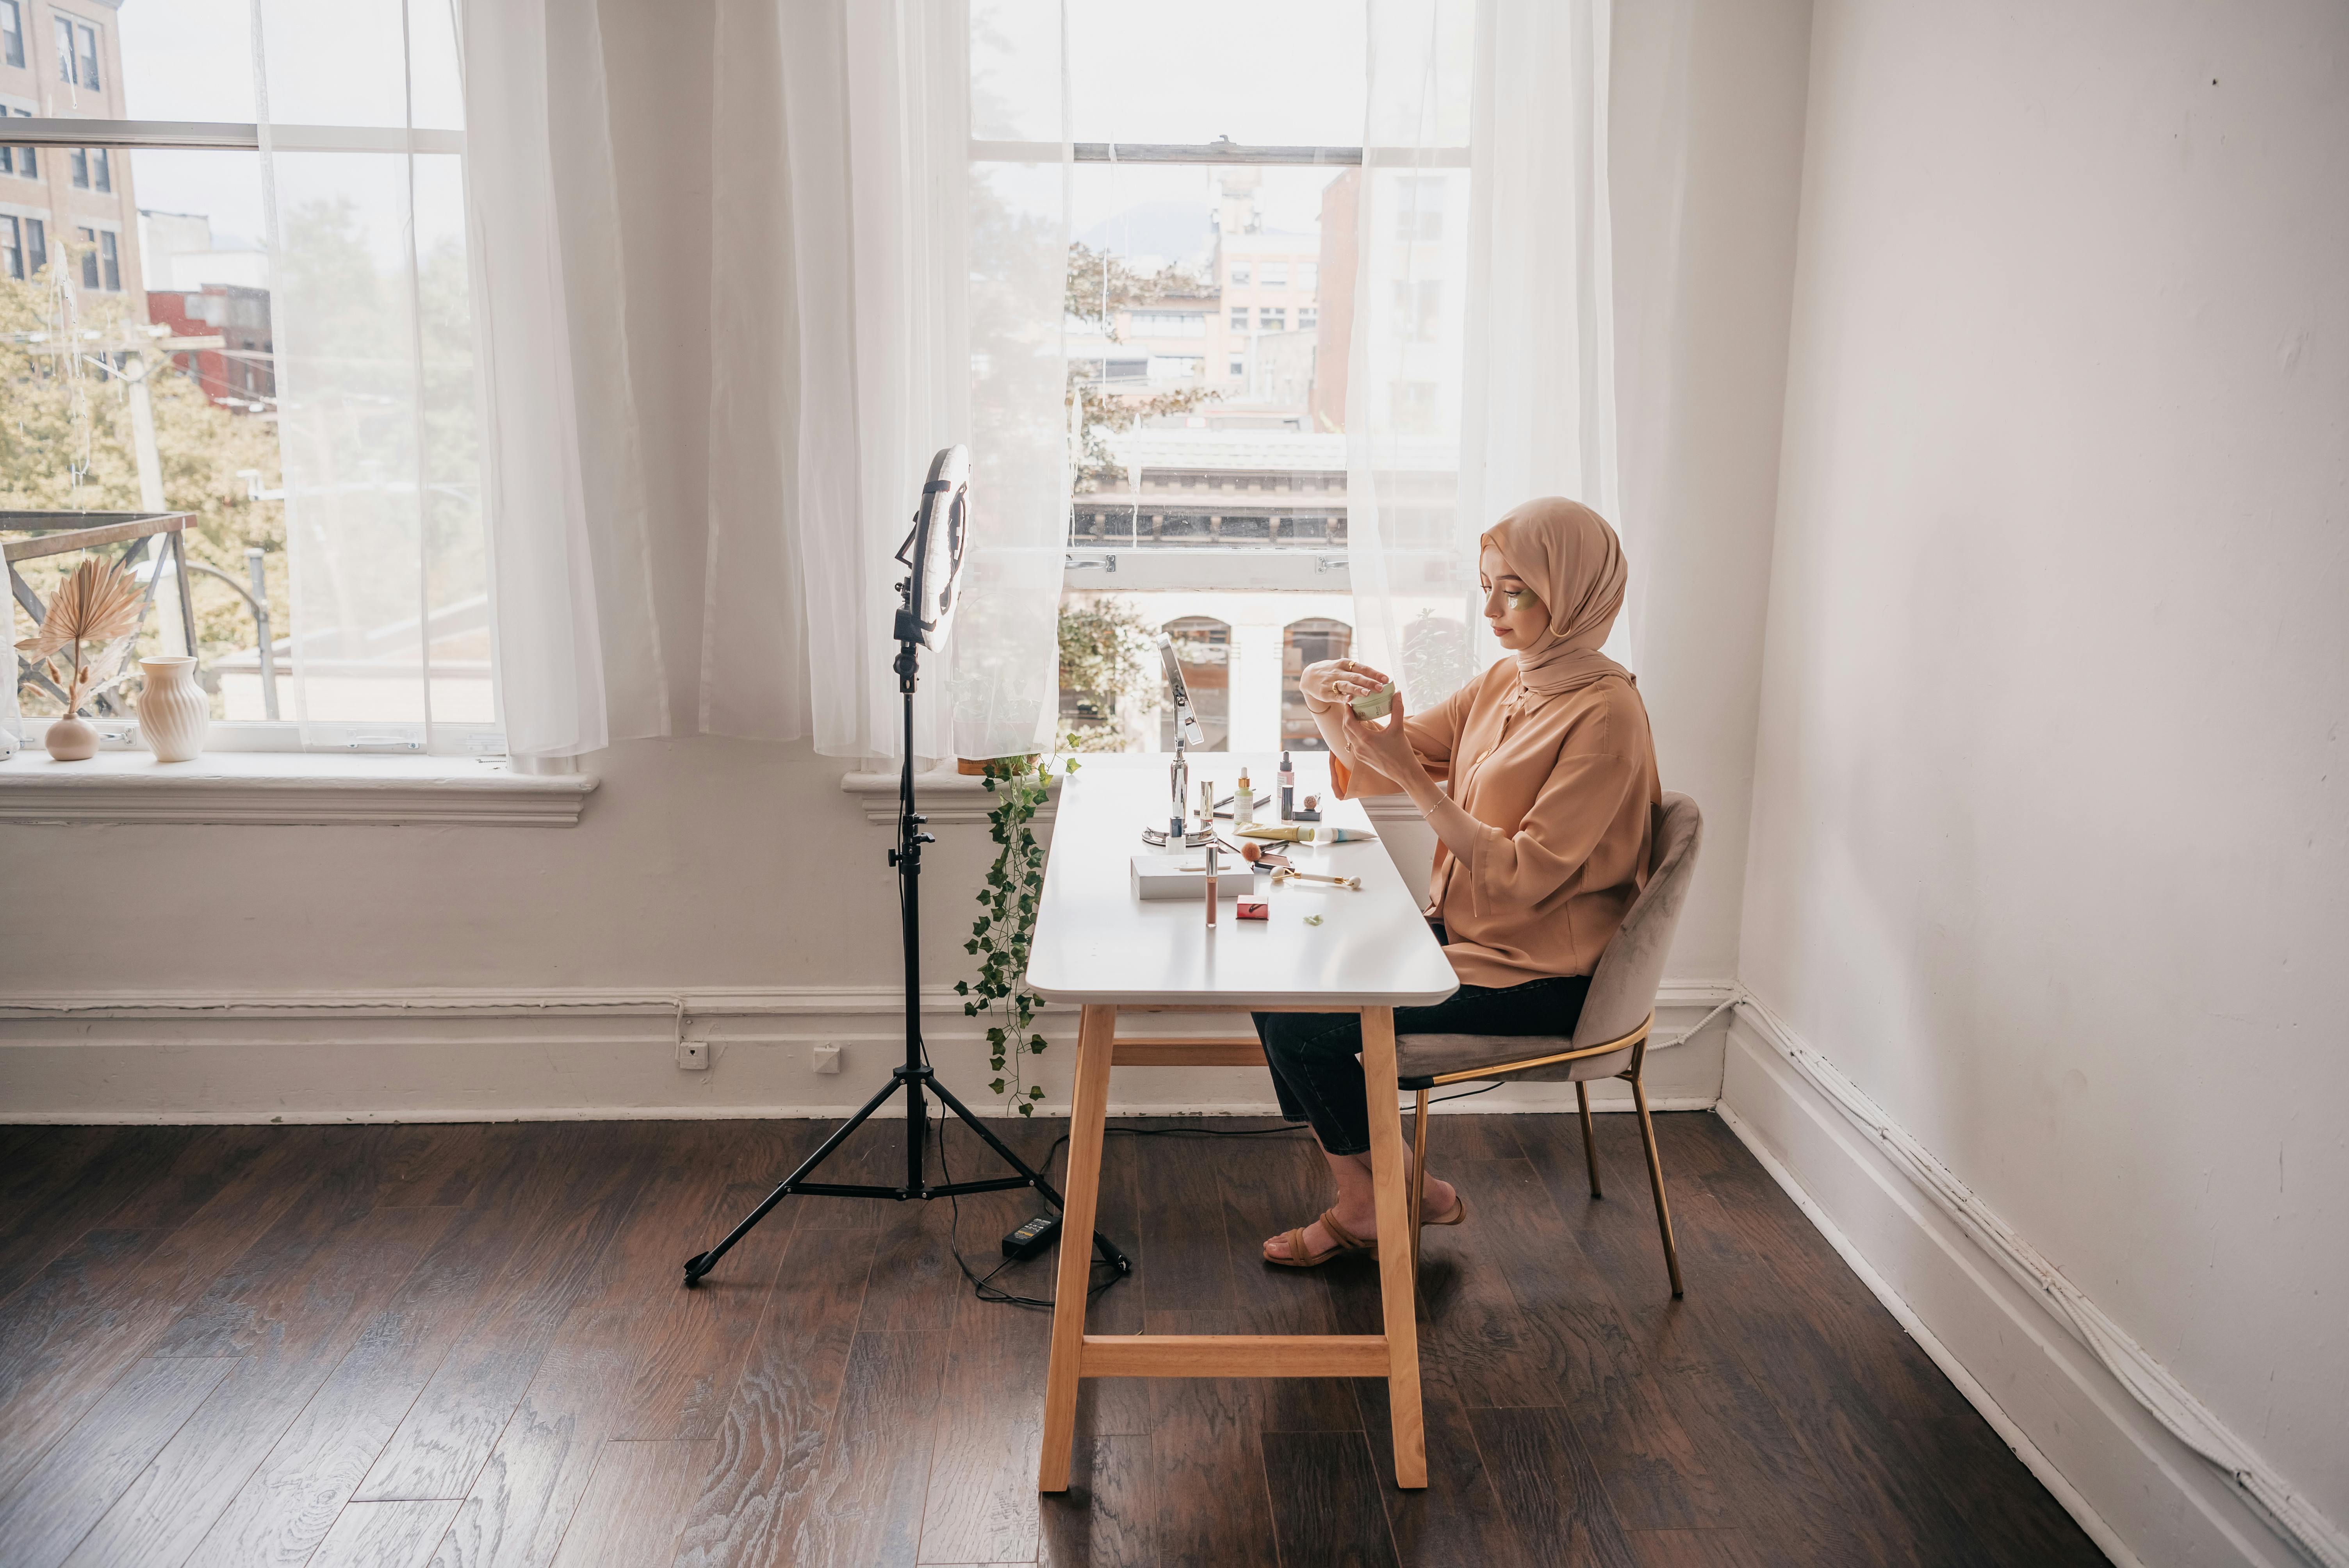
point(2291, 1517)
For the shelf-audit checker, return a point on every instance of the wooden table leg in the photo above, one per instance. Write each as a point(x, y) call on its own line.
point(1397, 1289)
point(1080, 1194)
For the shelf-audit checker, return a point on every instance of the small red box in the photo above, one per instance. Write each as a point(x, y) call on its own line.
point(1254, 905)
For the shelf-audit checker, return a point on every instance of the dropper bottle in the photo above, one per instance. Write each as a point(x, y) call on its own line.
point(1288, 789)
point(1179, 778)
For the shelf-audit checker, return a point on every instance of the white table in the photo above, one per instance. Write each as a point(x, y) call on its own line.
point(1097, 945)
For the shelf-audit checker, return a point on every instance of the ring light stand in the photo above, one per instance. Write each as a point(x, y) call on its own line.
point(933, 554)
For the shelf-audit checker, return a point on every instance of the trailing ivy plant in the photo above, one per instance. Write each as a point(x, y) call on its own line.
point(1000, 937)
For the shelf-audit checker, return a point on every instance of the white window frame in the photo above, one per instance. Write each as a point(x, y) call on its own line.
point(303, 785)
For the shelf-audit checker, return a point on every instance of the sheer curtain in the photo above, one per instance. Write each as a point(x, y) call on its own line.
point(874, 296)
point(1481, 370)
point(374, 356)
point(846, 279)
point(562, 482)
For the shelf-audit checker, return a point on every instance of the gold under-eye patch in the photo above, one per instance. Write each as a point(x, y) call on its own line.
point(1517, 598)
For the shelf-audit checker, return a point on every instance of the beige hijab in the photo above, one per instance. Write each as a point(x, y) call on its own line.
point(1569, 556)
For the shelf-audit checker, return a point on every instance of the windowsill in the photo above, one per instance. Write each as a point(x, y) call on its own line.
point(951, 797)
point(287, 788)
point(945, 796)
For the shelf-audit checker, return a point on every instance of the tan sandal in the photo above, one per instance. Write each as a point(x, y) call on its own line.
point(1342, 1241)
point(1459, 1211)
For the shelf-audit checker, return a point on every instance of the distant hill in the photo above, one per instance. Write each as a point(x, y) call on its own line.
point(1172, 230)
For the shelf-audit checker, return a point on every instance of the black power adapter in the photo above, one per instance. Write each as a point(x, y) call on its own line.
point(1032, 1238)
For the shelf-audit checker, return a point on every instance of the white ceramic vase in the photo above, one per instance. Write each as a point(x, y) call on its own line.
point(174, 719)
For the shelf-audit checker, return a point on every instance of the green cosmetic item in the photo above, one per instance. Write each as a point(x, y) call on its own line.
point(1377, 703)
point(1522, 599)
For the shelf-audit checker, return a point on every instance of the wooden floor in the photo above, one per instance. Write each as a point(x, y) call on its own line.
point(466, 1345)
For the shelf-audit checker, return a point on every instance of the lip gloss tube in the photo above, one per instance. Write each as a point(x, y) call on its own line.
point(1211, 881)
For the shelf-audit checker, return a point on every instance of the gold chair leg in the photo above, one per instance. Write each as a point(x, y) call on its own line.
point(1655, 1171)
point(1589, 1144)
point(1418, 1176)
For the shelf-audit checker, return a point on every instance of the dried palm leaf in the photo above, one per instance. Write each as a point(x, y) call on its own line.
point(99, 602)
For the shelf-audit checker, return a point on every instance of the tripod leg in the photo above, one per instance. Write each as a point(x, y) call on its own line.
point(1101, 1245)
point(702, 1262)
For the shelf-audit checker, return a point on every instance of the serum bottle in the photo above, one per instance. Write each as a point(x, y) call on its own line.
point(1243, 802)
point(1178, 775)
point(1288, 789)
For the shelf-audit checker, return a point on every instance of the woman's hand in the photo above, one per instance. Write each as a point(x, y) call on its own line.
point(1335, 683)
point(1385, 747)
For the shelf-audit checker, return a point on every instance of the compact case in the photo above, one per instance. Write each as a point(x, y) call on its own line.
point(1162, 877)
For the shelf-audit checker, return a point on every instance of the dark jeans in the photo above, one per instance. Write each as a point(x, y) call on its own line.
point(1314, 1056)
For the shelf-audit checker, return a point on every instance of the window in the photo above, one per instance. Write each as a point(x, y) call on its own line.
point(1417, 406)
point(77, 66)
point(1168, 323)
point(1418, 308)
point(1307, 317)
point(376, 598)
point(24, 161)
point(1216, 509)
point(11, 33)
point(1303, 642)
point(1419, 208)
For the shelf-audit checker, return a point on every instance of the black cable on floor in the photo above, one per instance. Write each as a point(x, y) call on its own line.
point(984, 1286)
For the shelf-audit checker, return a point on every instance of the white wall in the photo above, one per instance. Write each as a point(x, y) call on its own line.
point(1702, 283)
point(2050, 854)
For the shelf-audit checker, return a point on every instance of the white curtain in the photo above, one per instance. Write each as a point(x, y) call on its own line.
point(372, 326)
point(561, 480)
point(873, 300)
point(873, 297)
point(1482, 368)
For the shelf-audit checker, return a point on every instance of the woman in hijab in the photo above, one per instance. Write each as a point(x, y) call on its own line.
point(1544, 836)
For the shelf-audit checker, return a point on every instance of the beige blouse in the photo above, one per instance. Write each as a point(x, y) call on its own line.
point(1565, 794)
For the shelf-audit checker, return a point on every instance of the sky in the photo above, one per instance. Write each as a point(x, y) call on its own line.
point(1289, 73)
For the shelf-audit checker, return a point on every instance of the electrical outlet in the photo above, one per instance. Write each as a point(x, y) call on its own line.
point(825, 1058)
point(693, 1056)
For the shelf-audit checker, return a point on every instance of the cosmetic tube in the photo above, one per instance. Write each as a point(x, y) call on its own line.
point(1288, 789)
point(1211, 882)
point(1178, 776)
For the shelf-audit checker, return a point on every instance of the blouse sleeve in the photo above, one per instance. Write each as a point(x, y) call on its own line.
point(1433, 735)
point(1588, 812)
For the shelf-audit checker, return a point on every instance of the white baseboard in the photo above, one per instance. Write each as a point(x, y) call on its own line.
point(592, 1054)
point(2069, 1391)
